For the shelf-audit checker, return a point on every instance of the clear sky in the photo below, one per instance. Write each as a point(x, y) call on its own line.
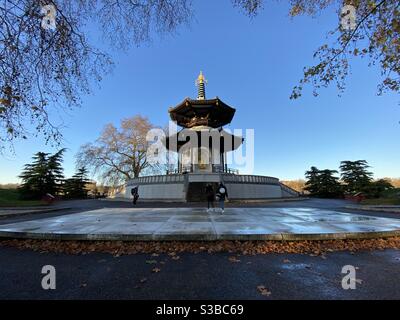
point(251, 64)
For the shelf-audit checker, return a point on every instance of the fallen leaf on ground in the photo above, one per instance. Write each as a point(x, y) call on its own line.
point(286, 261)
point(156, 270)
point(263, 291)
point(175, 258)
point(143, 280)
point(234, 259)
point(117, 248)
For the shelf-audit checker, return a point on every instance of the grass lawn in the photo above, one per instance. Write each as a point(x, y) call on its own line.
point(381, 201)
point(10, 198)
point(390, 197)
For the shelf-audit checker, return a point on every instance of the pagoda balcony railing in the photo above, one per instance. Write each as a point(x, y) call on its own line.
point(253, 179)
point(215, 169)
point(227, 178)
point(290, 190)
point(171, 178)
point(220, 169)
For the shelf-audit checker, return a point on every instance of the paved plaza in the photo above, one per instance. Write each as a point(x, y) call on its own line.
point(198, 224)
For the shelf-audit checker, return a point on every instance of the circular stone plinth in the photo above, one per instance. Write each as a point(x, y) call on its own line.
point(167, 224)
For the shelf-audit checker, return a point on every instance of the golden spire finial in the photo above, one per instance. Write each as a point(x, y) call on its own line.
point(200, 82)
point(200, 78)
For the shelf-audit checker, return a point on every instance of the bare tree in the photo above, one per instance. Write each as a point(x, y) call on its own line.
point(46, 60)
point(42, 67)
point(119, 154)
point(250, 7)
point(375, 34)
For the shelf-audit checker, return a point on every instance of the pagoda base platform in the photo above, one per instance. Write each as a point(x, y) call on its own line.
point(190, 187)
point(196, 224)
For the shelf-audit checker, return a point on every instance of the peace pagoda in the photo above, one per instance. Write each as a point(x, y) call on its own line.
point(202, 146)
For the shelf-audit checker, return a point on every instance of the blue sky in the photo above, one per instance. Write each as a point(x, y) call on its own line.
point(251, 64)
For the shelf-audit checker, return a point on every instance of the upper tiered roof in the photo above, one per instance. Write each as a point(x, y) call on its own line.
point(212, 113)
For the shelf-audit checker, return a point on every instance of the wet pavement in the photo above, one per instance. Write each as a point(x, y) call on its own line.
point(256, 223)
point(202, 275)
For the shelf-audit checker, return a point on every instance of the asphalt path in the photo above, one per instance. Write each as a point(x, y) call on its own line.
point(198, 276)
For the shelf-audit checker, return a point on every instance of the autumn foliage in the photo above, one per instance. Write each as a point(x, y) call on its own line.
point(118, 248)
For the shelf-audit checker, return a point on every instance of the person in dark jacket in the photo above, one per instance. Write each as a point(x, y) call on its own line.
point(210, 197)
point(222, 194)
point(135, 194)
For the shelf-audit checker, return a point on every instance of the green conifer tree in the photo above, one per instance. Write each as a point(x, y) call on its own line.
point(44, 175)
point(75, 187)
point(355, 175)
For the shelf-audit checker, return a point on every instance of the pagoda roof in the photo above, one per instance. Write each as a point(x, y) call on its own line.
point(202, 112)
point(183, 137)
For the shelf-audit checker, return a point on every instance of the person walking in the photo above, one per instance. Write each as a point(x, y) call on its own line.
point(135, 194)
point(222, 194)
point(210, 197)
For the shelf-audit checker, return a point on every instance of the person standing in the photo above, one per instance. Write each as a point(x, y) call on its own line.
point(135, 194)
point(210, 197)
point(222, 194)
